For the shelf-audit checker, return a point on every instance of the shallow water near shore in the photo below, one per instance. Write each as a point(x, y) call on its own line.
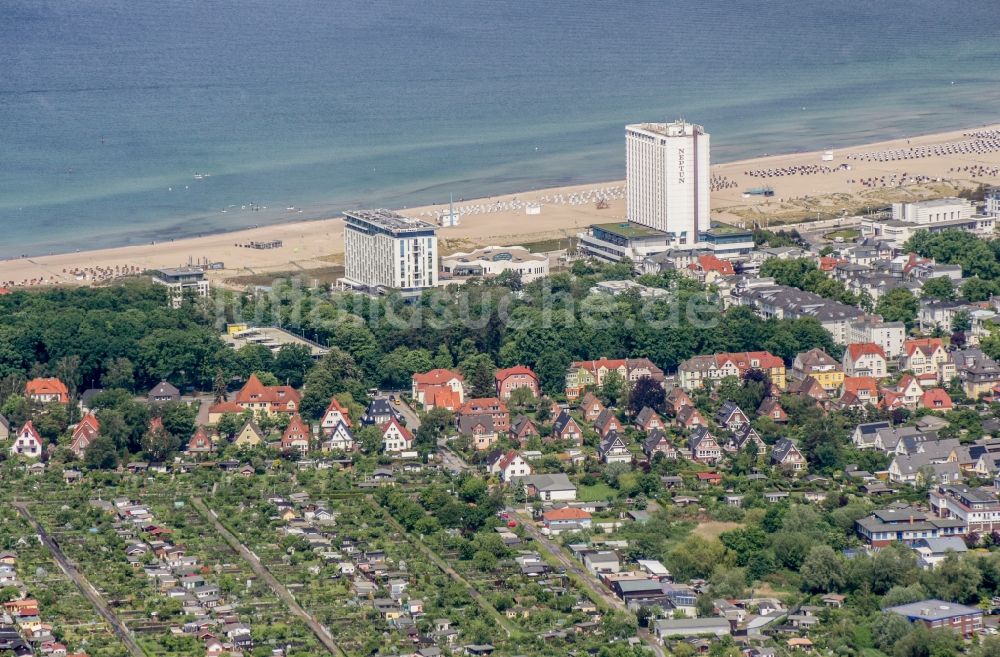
point(112, 113)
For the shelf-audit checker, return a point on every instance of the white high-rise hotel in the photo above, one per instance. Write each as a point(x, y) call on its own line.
point(386, 249)
point(667, 172)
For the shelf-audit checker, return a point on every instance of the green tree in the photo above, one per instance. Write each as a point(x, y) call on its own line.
point(898, 305)
point(335, 373)
point(119, 373)
point(478, 371)
point(101, 454)
point(822, 571)
point(941, 287)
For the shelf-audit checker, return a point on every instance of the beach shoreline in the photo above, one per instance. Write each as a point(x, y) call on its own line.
point(813, 184)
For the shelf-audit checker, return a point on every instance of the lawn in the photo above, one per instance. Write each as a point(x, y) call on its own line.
point(596, 493)
point(712, 528)
point(847, 234)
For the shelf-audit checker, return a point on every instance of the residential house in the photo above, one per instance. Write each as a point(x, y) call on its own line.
point(977, 508)
point(5, 429)
point(865, 435)
point(249, 435)
point(47, 390)
point(787, 456)
point(690, 418)
point(978, 372)
point(479, 428)
point(591, 407)
point(936, 399)
point(647, 420)
point(491, 406)
point(513, 378)
point(906, 525)
point(907, 391)
point(550, 487)
point(334, 415)
point(731, 416)
point(296, 436)
point(566, 428)
point(657, 443)
point(163, 392)
point(338, 439)
point(591, 373)
point(703, 446)
point(522, 430)
point(84, 433)
point(676, 400)
point(508, 465)
point(438, 388)
point(863, 388)
point(379, 412)
point(865, 359)
point(770, 407)
point(272, 400)
point(614, 449)
point(556, 521)
point(820, 366)
point(27, 442)
point(700, 371)
point(396, 438)
point(927, 356)
point(607, 422)
point(200, 442)
point(923, 468)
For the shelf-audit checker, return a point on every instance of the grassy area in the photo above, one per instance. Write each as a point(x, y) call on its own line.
point(596, 493)
point(712, 528)
point(846, 234)
point(555, 244)
point(628, 229)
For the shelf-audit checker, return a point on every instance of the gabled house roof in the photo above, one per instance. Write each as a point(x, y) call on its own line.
point(563, 421)
point(336, 406)
point(859, 349)
point(785, 449)
point(437, 376)
point(523, 370)
point(47, 387)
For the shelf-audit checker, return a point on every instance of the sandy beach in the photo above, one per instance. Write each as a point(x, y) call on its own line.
point(805, 187)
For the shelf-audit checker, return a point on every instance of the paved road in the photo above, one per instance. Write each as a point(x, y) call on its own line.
point(86, 588)
point(279, 590)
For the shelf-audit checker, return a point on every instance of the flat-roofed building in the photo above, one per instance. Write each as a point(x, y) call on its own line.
point(905, 525)
point(179, 280)
point(938, 614)
point(667, 179)
point(492, 261)
point(384, 249)
point(978, 508)
point(933, 211)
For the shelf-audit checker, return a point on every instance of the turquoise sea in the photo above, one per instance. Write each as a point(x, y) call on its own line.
point(108, 108)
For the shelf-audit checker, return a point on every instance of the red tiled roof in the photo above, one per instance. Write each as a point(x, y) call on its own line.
point(710, 262)
point(936, 398)
point(335, 406)
point(859, 349)
point(927, 345)
point(256, 392)
point(436, 377)
point(566, 514)
point(517, 369)
point(226, 407)
point(47, 386)
point(399, 425)
point(855, 383)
